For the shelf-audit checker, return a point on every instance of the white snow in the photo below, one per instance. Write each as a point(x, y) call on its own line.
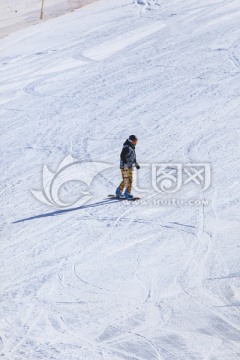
point(19, 14)
point(110, 47)
point(113, 280)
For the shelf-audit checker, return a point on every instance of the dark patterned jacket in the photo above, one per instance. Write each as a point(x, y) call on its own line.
point(128, 156)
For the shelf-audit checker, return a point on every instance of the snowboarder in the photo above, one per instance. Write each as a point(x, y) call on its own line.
point(127, 162)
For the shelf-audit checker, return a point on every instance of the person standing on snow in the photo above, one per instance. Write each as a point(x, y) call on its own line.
point(127, 161)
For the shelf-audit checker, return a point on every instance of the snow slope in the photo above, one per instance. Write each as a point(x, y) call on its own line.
point(19, 14)
point(111, 280)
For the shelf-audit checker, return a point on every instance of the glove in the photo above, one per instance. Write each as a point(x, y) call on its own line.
point(137, 166)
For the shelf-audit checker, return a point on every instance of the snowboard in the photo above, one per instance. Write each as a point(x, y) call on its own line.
point(117, 198)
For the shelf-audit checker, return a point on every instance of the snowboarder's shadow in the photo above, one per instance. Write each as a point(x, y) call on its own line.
point(63, 211)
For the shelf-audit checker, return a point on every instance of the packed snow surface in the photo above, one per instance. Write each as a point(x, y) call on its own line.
point(19, 14)
point(109, 279)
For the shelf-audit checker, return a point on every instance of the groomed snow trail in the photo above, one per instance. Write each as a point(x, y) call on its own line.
point(113, 280)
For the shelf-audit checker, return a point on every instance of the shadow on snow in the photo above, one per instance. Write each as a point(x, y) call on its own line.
point(59, 212)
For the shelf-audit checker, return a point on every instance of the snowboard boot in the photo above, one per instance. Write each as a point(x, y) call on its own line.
point(128, 195)
point(118, 194)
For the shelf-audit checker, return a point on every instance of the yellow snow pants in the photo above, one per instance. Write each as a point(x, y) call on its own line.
point(127, 180)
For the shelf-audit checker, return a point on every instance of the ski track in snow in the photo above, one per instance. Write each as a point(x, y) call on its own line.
point(115, 280)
